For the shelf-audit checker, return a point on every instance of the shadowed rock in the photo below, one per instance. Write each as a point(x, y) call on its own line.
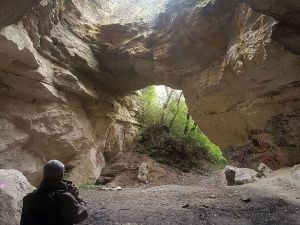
point(11, 11)
point(287, 13)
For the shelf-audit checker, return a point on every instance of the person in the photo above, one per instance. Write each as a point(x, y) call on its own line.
point(55, 201)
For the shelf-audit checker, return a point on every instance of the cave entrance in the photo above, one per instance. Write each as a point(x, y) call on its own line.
point(170, 135)
point(163, 146)
point(168, 146)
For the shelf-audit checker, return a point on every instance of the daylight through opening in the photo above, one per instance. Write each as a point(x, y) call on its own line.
point(170, 135)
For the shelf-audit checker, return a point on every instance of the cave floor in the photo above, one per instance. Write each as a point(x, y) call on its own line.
point(271, 202)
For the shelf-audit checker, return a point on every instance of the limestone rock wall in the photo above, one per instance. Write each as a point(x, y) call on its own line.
point(52, 105)
point(240, 83)
point(248, 100)
point(287, 14)
point(67, 78)
point(12, 11)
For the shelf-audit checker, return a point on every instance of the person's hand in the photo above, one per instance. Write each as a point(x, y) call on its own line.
point(72, 188)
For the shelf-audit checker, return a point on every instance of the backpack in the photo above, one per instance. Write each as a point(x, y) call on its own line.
point(42, 208)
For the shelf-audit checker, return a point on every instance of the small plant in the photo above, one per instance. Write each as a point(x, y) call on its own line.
point(88, 186)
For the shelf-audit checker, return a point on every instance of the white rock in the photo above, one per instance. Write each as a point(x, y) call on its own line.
point(239, 176)
point(13, 187)
point(144, 171)
point(119, 188)
point(265, 170)
point(296, 172)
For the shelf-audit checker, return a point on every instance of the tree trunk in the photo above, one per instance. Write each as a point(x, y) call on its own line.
point(187, 121)
point(194, 127)
point(165, 106)
point(177, 110)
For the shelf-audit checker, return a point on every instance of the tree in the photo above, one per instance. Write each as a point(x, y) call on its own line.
point(182, 133)
point(177, 110)
point(187, 123)
point(149, 107)
point(194, 127)
point(169, 93)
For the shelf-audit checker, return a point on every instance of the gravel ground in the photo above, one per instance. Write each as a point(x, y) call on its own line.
point(202, 204)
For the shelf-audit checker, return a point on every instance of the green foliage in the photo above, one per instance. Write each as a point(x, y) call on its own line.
point(174, 138)
point(88, 186)
point(214, 153)
point(150, 107)
point(179, 151)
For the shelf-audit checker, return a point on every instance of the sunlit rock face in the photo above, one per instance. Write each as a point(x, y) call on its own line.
point(248, 100)
point(287, 13)
point(54, 103)
point(105, 12)
point(68, 70)
point(240, 85)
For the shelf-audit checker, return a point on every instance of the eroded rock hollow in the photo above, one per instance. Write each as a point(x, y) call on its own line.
point(69, 69)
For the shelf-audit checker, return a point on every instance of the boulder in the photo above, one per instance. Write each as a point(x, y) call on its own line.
point(265, 170)
point(239, 176)
point(144, 171)
point(296, 173)
point(13, 187)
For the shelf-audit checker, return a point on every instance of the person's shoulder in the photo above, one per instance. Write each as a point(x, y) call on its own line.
point(30, 195)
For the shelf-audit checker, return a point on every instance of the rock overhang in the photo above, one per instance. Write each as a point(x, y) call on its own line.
point(239, 84)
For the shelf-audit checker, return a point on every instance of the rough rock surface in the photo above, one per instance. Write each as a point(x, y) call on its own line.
point(265, 170)
point(12, 11)
point(110, 172)
point(239, 176)
point(296, 174)
point(143, 174)
point(287, 13)
point(67, 76)
point(13, 187)
point(248, 100)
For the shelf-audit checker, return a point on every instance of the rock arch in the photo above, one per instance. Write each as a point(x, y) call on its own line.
point(66, 82)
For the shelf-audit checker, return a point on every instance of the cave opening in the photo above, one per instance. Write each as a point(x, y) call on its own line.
point(170, 135)
point(68, 70)
point(167, 140)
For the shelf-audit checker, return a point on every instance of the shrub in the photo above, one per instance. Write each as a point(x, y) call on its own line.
point(179, 151)
point(171, 136)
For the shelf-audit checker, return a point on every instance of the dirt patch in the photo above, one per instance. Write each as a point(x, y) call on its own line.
point(272, 201)
point(164, 205)
point(160, 174)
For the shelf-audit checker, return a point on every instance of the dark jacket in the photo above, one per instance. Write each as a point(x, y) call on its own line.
point(52, 204)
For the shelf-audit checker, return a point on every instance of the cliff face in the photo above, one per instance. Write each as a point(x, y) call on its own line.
point(287, 14)
point(248, 100)
point(54, 105)
point(240, 84)
point(67, 73)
